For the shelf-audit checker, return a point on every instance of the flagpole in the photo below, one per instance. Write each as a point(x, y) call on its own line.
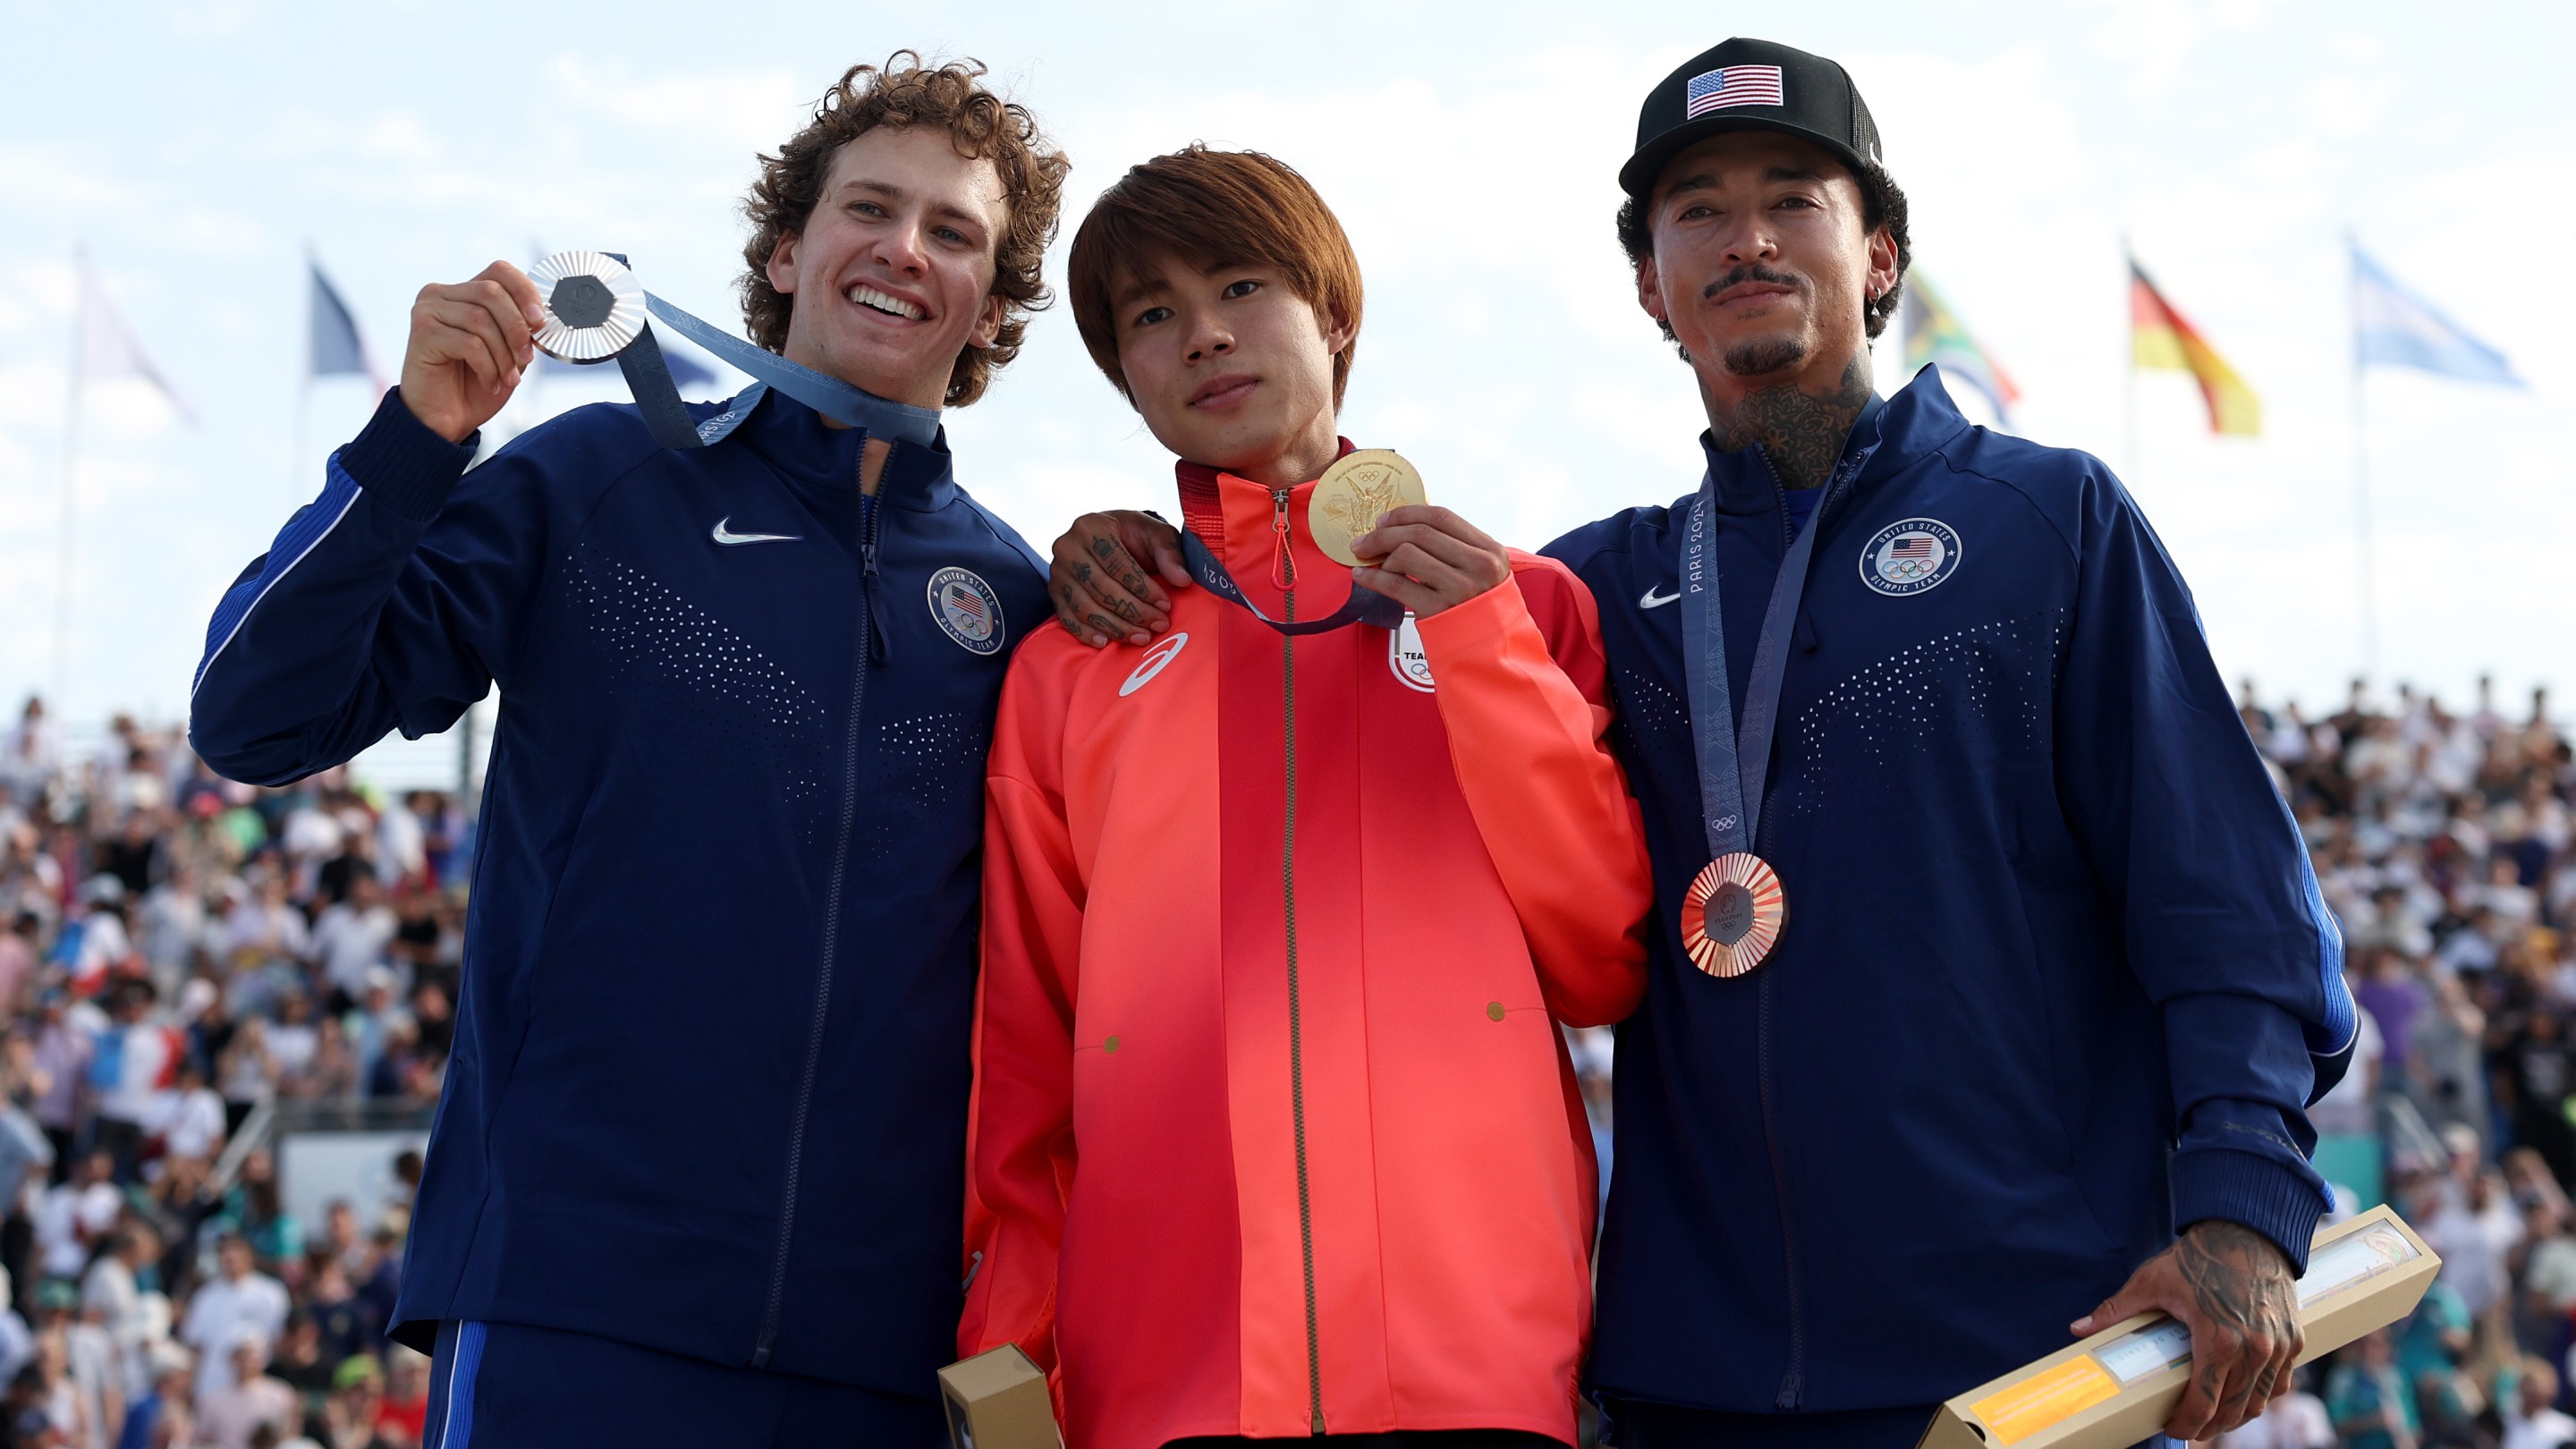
point(2129, 386)
point(2361, 477)
point(295, 488)
point(71, 475)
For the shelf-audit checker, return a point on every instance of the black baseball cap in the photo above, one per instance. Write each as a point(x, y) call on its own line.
point(1749, 85)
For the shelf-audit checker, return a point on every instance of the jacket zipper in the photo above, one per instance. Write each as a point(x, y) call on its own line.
point(1793, 1381)
point(1283, 572)
point(868, 515)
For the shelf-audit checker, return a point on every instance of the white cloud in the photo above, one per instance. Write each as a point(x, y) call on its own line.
point(1474, 168)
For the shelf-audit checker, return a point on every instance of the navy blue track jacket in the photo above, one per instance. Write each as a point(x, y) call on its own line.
point(709, 1085)
point(2056, 976)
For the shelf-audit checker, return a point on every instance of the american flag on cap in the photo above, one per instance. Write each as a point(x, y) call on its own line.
point(1733, 85)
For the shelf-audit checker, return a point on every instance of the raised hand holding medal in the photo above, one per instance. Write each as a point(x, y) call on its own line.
point(1358, 490)
point(469, 342)
point(1369, 510)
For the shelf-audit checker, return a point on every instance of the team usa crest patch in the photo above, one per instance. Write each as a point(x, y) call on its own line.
point(967, 610)
point(1909, 557)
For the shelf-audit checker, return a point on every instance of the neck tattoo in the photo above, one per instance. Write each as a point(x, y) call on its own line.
point(1801, 432)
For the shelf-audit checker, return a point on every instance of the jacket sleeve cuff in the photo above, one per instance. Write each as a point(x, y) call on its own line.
point(401, 463)
point(2239, 1187)
point(1485, 617)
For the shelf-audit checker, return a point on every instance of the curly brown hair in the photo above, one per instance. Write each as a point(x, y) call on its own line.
point(907, 92)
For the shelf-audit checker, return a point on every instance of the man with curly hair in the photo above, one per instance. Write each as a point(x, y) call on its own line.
point(698, 1166)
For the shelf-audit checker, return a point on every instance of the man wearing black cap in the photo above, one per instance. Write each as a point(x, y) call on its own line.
point(1987, 955)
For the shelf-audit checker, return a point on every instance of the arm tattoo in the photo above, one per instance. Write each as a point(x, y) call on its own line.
point(1801, 432)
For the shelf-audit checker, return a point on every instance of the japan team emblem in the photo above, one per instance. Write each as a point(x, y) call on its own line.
point(1404, 656)
point(1909, 556)
point(966, 610)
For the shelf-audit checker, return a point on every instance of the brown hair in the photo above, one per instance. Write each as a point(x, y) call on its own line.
point(983, 126)
point(1223, 208)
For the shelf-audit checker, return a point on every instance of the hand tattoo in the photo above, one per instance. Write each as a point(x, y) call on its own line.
point(2229, 1267)
point(1802, 433)
point(2243, 1284)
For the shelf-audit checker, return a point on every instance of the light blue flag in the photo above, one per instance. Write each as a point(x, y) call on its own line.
point(2392, 327)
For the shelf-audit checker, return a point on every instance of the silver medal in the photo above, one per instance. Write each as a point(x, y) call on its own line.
point(594, 306)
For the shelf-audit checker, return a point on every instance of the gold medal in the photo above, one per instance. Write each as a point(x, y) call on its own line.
point(1354, 494)
point(1732, 914)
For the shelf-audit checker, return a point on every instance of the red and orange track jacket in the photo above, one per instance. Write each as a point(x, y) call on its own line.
point(1273, 1132)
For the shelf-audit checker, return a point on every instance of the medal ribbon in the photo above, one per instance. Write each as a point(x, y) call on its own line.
point(833, 398)
point(657, 397)
point(1364, 606)
point(1735, 764)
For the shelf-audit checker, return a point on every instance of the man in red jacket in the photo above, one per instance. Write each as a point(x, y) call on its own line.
point(1280, 916)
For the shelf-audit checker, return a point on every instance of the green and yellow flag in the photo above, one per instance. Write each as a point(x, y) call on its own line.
point(1934, 334)
point(2160, 340)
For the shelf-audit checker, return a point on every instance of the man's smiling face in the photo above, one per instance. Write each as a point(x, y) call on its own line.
point(1761, 264)
point(892, 274)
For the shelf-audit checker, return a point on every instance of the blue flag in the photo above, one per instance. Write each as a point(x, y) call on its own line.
point(2392, 327)
point(686, 369)
point(337, 350)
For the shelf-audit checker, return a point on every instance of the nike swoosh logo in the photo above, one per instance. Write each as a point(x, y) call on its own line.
point(1648, 599)
point(725, 535)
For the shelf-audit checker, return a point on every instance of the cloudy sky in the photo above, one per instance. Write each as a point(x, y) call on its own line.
point(200, 148)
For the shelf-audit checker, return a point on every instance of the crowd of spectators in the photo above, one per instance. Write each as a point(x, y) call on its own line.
point(186, 963)
point(181, 952)
point(2442, 843)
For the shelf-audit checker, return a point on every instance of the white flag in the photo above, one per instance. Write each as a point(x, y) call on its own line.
point(106, 347)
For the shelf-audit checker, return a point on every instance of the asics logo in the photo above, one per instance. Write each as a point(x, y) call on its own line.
point(727, 536)
point(1652, 600)
point(1162, 654)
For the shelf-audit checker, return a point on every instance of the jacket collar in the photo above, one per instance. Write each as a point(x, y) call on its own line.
point(1906, 427)
point(1237, 519)
point(815, 457)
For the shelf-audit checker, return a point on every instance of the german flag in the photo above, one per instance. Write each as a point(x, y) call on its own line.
point(2161, 340)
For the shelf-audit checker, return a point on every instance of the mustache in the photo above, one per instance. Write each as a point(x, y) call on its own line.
point(1753, 272)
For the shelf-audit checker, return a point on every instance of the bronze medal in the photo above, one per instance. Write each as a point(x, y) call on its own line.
point(1732, 914)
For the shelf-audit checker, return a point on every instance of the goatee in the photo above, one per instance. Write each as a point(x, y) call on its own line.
point(1765, 355)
